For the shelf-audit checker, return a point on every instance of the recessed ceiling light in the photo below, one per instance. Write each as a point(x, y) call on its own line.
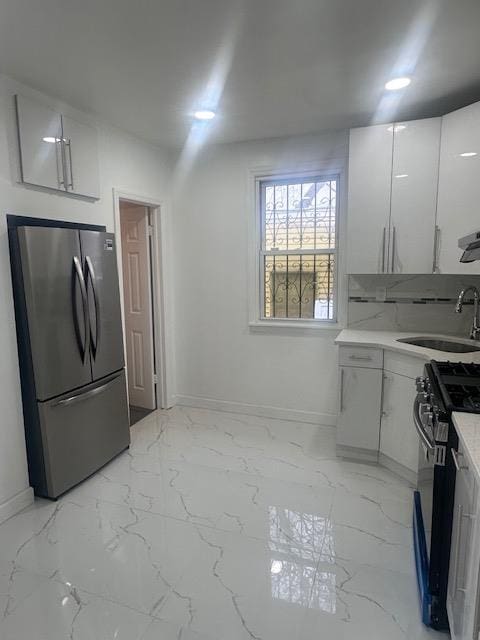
point(468, 154)
point(204, 114)
point(276, 566)
point(397, 83)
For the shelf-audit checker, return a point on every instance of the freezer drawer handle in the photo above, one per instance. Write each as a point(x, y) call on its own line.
point(83, 290)
point(87, 394)
point(95, 341)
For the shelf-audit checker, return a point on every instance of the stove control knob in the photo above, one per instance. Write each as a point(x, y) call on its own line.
point(420, 383)
point(427, 419)
point(425, 408)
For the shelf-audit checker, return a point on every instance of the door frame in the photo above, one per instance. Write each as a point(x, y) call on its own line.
point(163, 390)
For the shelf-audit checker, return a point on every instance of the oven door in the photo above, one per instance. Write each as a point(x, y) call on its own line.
point(423, 507)
point(422, 528)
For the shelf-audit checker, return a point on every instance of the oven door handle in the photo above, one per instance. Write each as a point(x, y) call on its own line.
point(424, 437)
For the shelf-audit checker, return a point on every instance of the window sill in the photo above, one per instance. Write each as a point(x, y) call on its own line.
point(270, 326)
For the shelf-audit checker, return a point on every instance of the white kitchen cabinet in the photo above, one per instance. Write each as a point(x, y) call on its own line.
point(56, 151)
point(369, 186)
point(392, 197)
point(40, 136)
point(81, 158)
point(416, 147)
point(459, 187)
point(462, 595)
point(359, 411)
point(398, 438)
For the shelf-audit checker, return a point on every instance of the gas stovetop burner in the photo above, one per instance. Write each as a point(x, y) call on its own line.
point(464, 397)
point(459, 383)
point(457, 369)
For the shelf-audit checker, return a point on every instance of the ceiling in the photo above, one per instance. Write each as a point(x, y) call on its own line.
point(270, 67)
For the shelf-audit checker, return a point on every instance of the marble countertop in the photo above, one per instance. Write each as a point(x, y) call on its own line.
point(388, 340)
point(468, 429)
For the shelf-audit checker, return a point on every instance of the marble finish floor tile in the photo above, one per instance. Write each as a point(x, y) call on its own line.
point(216, 526)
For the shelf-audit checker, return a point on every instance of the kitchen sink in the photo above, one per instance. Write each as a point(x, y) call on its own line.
point(440, 344)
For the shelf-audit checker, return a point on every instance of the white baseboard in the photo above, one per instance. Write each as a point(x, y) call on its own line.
point(295, 415)
point(16, 504)
point(398, 469)
point(355, 453)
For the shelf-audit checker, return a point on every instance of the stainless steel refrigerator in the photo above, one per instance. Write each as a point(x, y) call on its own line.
point(69, 331)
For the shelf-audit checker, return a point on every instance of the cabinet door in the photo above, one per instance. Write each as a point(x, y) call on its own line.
point(414, 195)
point(359, 411)
point(40, 141)
point(459, 186)
point(81, 158)
point(459, 605)
point(369, 185)
point(398, 438)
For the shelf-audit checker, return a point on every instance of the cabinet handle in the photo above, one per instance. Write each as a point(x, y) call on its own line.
point(341, 390)
point(365, 358)
point(60, 157)
point(383, 249)
point(457, 546)
point(436, 238)
point(455, 456)
point(393, 248)
point(68, 144)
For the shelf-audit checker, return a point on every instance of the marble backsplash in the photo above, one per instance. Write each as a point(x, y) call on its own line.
point(409, 303)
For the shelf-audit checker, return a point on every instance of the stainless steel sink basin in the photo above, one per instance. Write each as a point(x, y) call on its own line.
point(440, 344)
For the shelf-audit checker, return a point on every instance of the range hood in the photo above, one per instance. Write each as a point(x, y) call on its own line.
point(471, 247)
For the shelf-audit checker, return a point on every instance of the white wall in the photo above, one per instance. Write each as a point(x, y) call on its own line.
point(125, 163)
point(220, 360)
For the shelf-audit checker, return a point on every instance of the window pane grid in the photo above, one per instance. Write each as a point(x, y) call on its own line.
point(298, 248)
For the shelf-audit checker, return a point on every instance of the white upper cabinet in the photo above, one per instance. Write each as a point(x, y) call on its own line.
point(416, 147)
point(81, 157)
point(459, 187)
point(56, 151)
point(369, 186)
point(392, 197)
point(40, 135)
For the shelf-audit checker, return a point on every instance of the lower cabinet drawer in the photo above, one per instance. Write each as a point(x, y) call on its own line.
point(366, 357)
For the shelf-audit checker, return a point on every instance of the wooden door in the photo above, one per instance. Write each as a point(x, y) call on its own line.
point(138, 305)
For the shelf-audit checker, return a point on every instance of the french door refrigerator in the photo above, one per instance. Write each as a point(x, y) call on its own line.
point(69, 330)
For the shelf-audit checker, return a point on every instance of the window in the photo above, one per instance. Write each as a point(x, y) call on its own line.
point(298, 248)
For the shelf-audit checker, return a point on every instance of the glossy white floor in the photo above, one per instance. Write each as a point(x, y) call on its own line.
point(216, 526)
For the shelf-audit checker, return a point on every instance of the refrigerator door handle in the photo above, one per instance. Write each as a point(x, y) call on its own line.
point(95, 341)
point(82, 344)
point(87, 394)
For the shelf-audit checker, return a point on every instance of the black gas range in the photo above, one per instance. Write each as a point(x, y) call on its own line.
point(445, 387)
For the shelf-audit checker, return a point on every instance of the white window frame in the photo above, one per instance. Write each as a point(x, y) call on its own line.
point(257, 321)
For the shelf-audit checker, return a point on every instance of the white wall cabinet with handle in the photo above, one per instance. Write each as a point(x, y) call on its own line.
point(360, 392)
point(416, 147)
point(40, 140)
point(462, 594)
point(392, 197)
point(56, 151)
point(458, 212)
point(369, 185)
